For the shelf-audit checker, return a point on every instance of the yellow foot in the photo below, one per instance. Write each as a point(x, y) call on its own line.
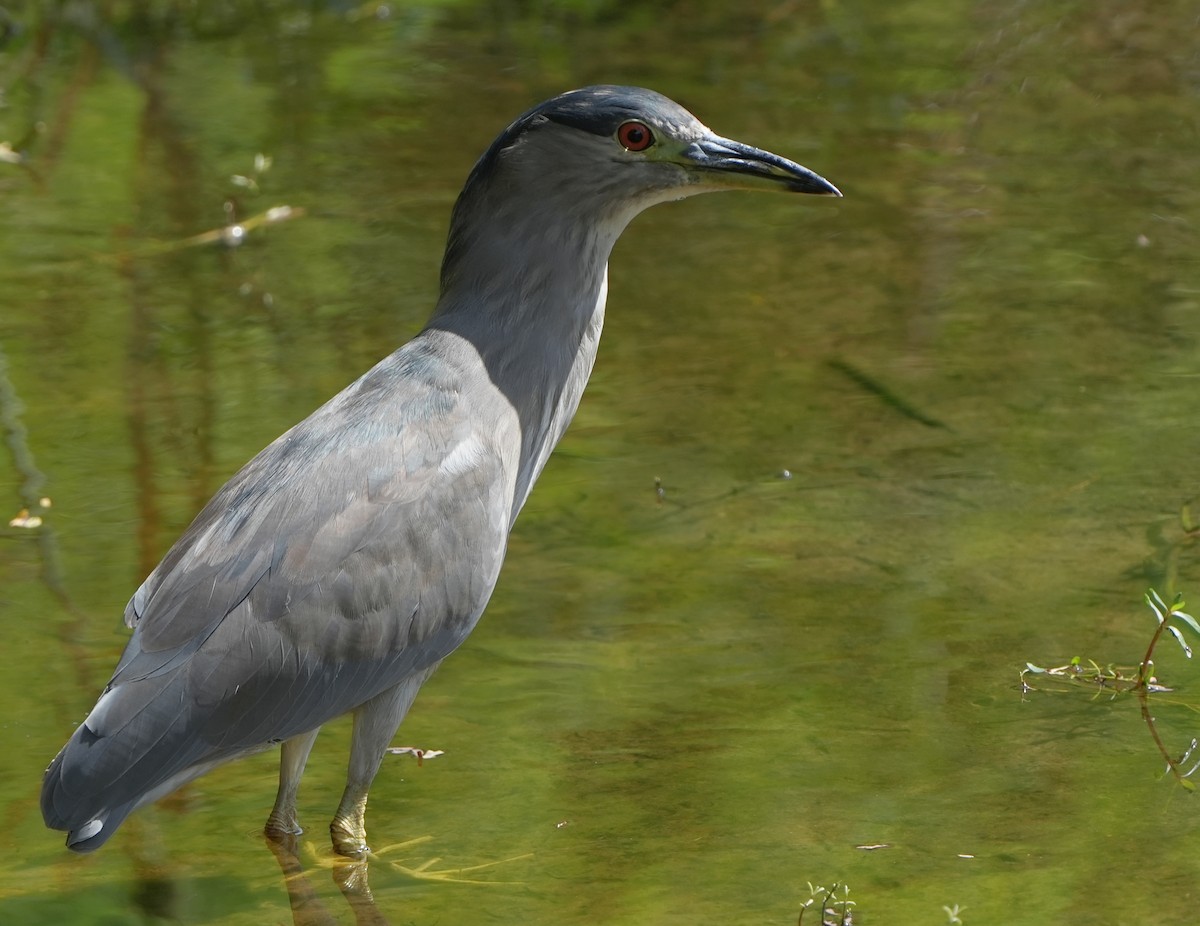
point(282, 840)
point(277, 829)
point(347, 842)
point(426, 872)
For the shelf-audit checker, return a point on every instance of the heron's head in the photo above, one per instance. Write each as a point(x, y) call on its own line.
point(586, 162)
point(629, 145)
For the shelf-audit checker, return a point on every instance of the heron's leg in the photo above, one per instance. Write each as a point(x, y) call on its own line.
point(292, 756)
point(375, 723)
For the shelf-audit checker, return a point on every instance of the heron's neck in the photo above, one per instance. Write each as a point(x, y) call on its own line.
point(529, 295)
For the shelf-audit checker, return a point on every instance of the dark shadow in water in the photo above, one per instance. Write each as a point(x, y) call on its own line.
point(307, 909)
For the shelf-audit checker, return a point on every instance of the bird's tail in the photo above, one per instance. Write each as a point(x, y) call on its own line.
point(88, 825)
point(132, 749)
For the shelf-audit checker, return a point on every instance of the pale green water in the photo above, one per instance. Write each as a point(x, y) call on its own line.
point(676, 712)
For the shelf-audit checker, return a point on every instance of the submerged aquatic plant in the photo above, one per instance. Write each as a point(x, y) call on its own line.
point(833, 912)
point(1171, 618)
point(1138, 679)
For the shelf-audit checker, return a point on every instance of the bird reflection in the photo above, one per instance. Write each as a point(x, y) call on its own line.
point(350, 875)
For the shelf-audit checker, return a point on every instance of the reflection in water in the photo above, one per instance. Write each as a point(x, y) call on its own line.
point(307, 909)
point(154, 888)
point(350, 875)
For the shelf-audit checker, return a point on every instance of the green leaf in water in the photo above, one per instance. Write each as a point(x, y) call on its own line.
point(1187, 619)
point(1187, 650)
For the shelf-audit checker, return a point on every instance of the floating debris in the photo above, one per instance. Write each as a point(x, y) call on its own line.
point(421, 754)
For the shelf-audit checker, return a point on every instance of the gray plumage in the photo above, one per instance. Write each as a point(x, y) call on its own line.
point(336, 569)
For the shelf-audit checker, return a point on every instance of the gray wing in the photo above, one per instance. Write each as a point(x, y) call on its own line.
point(359, 547)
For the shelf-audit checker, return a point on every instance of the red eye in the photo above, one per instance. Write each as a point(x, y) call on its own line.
point(635, 136)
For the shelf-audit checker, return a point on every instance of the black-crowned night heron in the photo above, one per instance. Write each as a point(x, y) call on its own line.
point(340, 566)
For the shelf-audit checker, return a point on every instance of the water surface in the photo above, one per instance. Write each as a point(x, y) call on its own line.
point(905, 442)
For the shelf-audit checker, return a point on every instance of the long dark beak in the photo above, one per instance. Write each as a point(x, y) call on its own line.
point(729, 164)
